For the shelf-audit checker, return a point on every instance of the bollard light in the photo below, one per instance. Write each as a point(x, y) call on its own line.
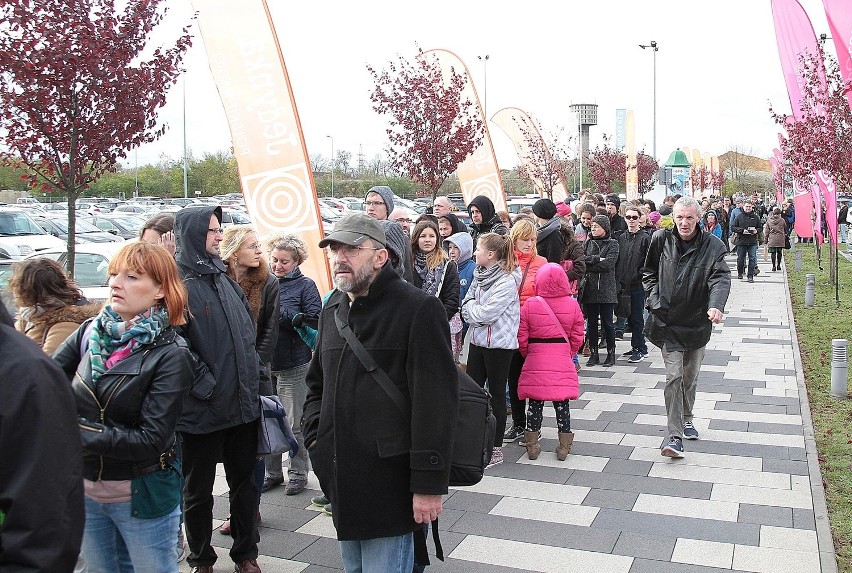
point(798, 259)
point(810, 288)
point(839, 367)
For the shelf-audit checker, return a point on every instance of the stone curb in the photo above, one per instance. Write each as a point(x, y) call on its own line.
point(825, 541)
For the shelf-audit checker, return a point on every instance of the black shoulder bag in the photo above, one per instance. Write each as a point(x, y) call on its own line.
point(473, 437)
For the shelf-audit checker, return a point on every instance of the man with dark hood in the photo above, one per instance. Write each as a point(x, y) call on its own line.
point(41, 473)
point(548, 239)
point(221, 411)
point(484, 218)
point(616, 221)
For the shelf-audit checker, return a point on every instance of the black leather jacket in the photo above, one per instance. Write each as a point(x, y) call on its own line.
point(681, 286)
point(127, 420)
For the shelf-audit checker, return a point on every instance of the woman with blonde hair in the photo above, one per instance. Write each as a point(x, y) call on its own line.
point(523, 237)
point(242, 253)
point(129, 371)
point(50, 306)
point(492, 310)
point(298, 294)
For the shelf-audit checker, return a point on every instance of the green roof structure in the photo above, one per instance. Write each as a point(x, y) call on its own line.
point(677, 159)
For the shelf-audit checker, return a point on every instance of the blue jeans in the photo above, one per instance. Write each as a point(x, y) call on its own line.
point(382, 555)
point(116, 542)
point(636, 320)
point(742, 250)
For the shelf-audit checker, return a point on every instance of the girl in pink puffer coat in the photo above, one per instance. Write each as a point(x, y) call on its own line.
point(550, 333)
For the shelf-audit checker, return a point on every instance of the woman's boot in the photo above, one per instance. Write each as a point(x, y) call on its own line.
point(564, 447)
point(610, 358)
point(593, 357)
point(533, 447)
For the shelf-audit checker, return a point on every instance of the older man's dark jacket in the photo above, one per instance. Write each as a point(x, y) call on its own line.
point(370, 457)
point(682, 280)
point(41, 460)
point(220, 333)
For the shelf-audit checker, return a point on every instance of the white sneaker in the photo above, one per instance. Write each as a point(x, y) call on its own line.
point(496, 458)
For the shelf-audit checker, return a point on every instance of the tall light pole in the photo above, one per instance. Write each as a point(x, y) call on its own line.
point(484, 60)
point(332, 164)
point(653, 45)
point(185, 168)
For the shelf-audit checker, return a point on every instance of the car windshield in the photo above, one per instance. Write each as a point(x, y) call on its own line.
point(239, 219)
point(13, 224)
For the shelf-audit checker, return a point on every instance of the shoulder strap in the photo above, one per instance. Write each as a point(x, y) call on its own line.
point(553, 316)
point(524, 278)
point(367, 361)
point(443, 276)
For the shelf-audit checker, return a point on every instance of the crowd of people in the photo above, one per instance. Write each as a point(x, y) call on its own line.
point(201, 320)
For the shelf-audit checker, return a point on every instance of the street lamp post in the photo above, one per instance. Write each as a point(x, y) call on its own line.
point(185, 182)
point(332, 164)
point(484, 60)
point(653, 45)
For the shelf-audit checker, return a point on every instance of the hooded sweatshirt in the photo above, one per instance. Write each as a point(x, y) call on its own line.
point(491, 223)
point(549, 240)
point(220, 333)
point(465, 262)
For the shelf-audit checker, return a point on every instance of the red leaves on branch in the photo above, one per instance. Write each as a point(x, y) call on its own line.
point(608, 169)
point(75, 90)
point(547, 162)
point(431, 128)
point(648, 169)
point(822, 137)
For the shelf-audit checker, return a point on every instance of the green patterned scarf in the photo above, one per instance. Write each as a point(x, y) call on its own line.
point(110, 334)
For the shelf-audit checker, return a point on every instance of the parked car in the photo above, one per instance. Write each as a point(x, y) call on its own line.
point(90, 266)
point(59, 206)
point(515, 204)
point(353, 203)
point(136, 208)
point(21, 234)
point(5, 292)
point(126, 226)
point(458, 201)
point(84, 231)
point(334, 203)
point(232, 216)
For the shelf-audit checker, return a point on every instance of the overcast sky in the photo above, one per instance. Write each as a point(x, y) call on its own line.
point(717, 69)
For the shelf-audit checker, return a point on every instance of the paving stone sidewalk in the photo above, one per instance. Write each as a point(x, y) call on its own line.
point(747, 497)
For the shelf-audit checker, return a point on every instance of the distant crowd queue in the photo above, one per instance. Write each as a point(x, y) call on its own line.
point(201, 320)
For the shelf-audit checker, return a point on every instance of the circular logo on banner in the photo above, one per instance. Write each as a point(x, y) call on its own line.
point(282, 198)
point(488, 186)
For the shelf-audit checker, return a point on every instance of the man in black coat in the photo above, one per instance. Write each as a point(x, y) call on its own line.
point(484, 218)
point(549, 238)
point(632, 248)
point(41, 472)
point(617, 224)
point(687, 282)
point(221, 411)
point(384, 470)
point(746, 225)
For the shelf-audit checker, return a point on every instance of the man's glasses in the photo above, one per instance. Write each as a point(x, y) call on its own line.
point(631, 217)
point(373, 203)
point(218, 231)
point(401, 220)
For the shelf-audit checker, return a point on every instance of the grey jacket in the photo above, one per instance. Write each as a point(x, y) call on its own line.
point(220, 334)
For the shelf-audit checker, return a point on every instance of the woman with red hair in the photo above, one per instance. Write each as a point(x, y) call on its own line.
point(129, 372)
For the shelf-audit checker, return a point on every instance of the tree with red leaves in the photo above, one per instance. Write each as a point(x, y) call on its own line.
point(76, 92)
point(699, 179)
point(608, 168)
point(717, 181)
point(822, 138)
point(432, 128)
point(547, 163)
point(648, 169)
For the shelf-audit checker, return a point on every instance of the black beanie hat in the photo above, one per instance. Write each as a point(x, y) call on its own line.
point(602, 221)
point(544, 209)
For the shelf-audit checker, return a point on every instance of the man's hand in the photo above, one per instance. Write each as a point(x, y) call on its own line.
point(715, 315)
point(427, 508)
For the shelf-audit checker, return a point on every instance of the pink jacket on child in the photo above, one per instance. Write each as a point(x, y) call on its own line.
point(549, 373)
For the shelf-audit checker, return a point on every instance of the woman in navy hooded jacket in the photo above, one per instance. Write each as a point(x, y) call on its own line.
point(460, 248)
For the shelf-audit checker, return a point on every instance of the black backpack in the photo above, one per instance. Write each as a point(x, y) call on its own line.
point(473, 438)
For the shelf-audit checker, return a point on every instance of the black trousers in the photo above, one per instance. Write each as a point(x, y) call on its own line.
point(236, 447)
point(593, 310)
point(492, 364)
point(519, 417)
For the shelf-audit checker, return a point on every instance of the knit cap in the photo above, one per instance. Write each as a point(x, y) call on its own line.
point(544, 209)
point(602, 221)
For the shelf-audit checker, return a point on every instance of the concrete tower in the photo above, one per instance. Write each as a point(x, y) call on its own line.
point(587, 116)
